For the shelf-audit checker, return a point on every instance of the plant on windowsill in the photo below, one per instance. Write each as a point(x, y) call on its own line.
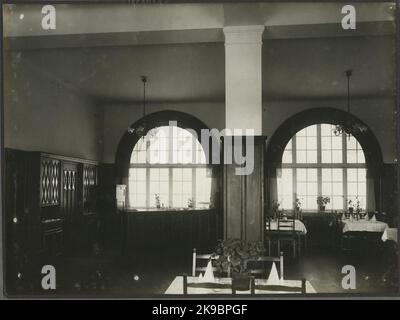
point(350, 206)
point(322, 202)
point(275, 209)
point(232, 257)
point(190, 203)
point(297, 209)
point(358, 208)
point(158, 202)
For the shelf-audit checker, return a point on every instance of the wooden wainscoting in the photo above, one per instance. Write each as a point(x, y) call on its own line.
point(170, 231)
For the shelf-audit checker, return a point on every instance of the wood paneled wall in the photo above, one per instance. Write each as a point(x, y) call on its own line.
point(171, 231)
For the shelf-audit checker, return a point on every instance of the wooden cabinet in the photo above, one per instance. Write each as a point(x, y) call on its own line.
point(49, 181)
point(47, 199)
point(90, 188)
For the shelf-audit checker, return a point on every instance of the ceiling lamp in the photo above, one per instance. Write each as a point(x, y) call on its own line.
point(350, 125)
point(140, 130)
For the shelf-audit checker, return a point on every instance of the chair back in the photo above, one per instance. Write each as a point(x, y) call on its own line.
point(261, 266)
point(268, 223)
point(286, 225)
point(200, 261)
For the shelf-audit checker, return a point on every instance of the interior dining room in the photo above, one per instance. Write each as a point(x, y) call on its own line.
point(119, 176)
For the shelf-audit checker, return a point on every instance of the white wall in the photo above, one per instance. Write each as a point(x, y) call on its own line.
point(43, 114)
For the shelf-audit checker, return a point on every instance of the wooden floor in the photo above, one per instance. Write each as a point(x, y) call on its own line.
point(114, 275)
point(149, 275)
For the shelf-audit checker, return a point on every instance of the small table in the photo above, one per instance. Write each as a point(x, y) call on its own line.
point(298, 226)
point(176, 287)
point(389, 234)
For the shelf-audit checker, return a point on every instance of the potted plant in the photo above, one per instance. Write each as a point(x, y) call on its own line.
point(158, 202)
point(297, 209)
point(232, 257)
point(322, 202)
point(297, 205)
point(351, 206)
point(275, 208)
point(190, 203)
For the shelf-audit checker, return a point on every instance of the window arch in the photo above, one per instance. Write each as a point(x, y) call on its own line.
point(316, 163)
point(168, 170)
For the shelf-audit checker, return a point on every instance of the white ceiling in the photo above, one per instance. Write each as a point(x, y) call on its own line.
point(304, 52)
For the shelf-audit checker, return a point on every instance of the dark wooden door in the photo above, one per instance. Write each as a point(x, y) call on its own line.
point(70, 203)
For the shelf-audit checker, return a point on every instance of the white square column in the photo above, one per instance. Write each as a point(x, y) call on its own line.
point(243, 77)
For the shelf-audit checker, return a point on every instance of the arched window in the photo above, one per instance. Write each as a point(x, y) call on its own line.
point(318, 163)
point(168, 170)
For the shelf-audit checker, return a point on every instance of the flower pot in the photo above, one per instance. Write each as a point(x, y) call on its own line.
point(321, 208)
point(351, 210)
point(241, 282)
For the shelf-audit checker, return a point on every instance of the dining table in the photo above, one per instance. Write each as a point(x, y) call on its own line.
point(389, 234)
point(363, 225)
point(222, 286)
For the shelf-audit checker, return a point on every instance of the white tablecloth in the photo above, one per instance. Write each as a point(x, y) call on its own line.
point(176, 287)
point(298, 226)
point(363, 226)
point(389, 234)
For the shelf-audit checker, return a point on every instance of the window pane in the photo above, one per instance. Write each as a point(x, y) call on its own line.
point(287, 157)
point(360, 156)
point(311, 156)
point(311, 131)
point(203, 188)
point(159, 187)
point(355, 153)
point(137, 187)
point(326, 143)
point(351, 156)
point(306, 145)
point(312, 175)
point(352, 175)
point(301, 156)
point(333, 150)
point(301, 143)
point(337, 143)
point(332, 187)
point(307, 188)
point(181, 187)
point(326, 156)
point(285, 188)
point(337, 156)
point(150, 186)
point(301, 174)
point(326, 130)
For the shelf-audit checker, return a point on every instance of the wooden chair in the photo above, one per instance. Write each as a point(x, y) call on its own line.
point(186, 285)
point(258, 266)
point(270, 236)
point(287, 233)
point(278, 288)
point(201, 259)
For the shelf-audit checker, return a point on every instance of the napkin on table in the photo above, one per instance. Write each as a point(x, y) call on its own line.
point(208, 275)
point(273, 278)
